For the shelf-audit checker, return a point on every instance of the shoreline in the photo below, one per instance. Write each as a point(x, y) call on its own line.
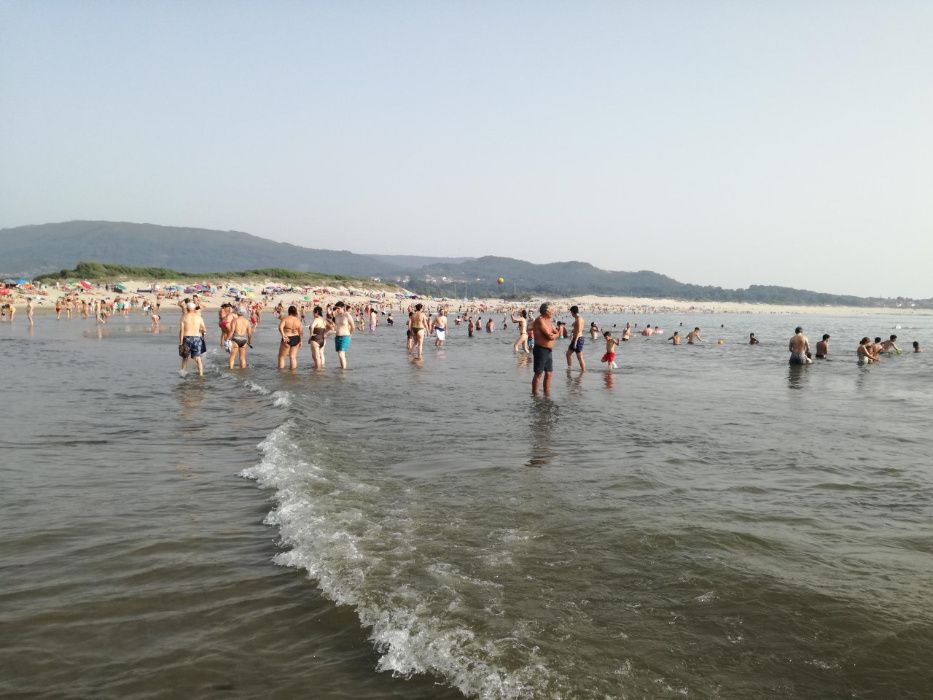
point(45, 297)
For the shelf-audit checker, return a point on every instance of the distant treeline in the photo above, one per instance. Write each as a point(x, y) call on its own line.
point(109, 272)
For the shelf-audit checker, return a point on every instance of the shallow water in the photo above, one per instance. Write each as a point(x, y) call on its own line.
point(705, 521)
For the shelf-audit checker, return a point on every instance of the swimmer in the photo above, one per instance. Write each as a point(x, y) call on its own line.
point(191, 332)
point(241, 336)
point(291, 330)
point(439, 327)
point(799, 347)
point(419, 327)
point(890, 345)
point(576, 339)
point(865, 352)
point(752, 340)
point(694, 336)
point(675, 339)
point(343, 327)
point(610, 357)
point(545, 335)
point(647, 332)
point(521, 344)
point(916, 345)
point(822, 347)
point(627, 332)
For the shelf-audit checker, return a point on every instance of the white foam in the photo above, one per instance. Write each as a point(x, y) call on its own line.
point(253, 386)
point(411, 635)
point(281, 399)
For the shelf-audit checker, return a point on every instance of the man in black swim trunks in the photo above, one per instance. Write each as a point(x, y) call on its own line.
point(545, 336)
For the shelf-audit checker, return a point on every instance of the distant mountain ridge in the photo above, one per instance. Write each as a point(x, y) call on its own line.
point(27, 251)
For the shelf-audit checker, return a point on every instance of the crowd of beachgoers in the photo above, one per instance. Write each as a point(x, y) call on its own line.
point(312, 318)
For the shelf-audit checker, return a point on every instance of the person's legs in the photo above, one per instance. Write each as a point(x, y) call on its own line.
point(342, 357)
point(293, 357)
point(283, 351)
point(547, 383)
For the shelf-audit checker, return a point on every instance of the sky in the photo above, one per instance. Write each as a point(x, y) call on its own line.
point(725, 143)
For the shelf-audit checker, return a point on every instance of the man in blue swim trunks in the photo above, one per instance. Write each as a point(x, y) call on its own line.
point(576, 339)
point(545, 335)
point(191, 332)
point(344, 327)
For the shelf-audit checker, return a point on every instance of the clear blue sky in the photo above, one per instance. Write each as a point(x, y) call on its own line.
point(727, 143)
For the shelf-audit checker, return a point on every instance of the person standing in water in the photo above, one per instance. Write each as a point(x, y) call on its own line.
point(822, 347)
point(799, 347)
point(291, 331)
point(439, 326)
point(317, 332)
point(419, 328)
point(344, 327)
point(241, 336)
point(576, 339)
point(545, 335)
point(191, 331)
point(610, 357)
point(694, 336)
point(521, 320)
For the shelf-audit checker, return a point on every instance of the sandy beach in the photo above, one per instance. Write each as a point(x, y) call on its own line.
point(46, 295)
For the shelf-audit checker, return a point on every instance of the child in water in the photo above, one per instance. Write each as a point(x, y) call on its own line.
point(610, 357)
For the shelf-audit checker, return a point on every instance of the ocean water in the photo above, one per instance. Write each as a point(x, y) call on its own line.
point(703, 522)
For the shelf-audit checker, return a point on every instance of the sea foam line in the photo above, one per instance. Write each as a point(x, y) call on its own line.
point(408, 636)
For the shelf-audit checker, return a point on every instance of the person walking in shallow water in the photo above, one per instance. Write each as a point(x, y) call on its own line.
point(191, 331)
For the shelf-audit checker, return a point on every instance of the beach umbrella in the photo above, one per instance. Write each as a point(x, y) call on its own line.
point(21, 282)
point(85, 284)
point(4, 291)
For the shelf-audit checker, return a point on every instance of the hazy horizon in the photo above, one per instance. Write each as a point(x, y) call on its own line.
point(716, 143)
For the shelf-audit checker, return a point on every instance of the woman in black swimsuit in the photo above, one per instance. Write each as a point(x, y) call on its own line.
point(318, 330)
point(291, 332)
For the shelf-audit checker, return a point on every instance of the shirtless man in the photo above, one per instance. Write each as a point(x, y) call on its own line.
point(545, 336)
point(648, 332)
point(752, 340)
point(521, 319)
point(675, 339)
point(822, 347)
point(916, 345)
point(890, 345)
point(291, 330)
point(191, 331)
point(627, 332)
point(576, 339)
point(241, 336)
point(344, 327)
point(694, 336)
point(29, 310)
point(799, 347)
point(439, 326)
point(419, 328)
point(373, 319)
